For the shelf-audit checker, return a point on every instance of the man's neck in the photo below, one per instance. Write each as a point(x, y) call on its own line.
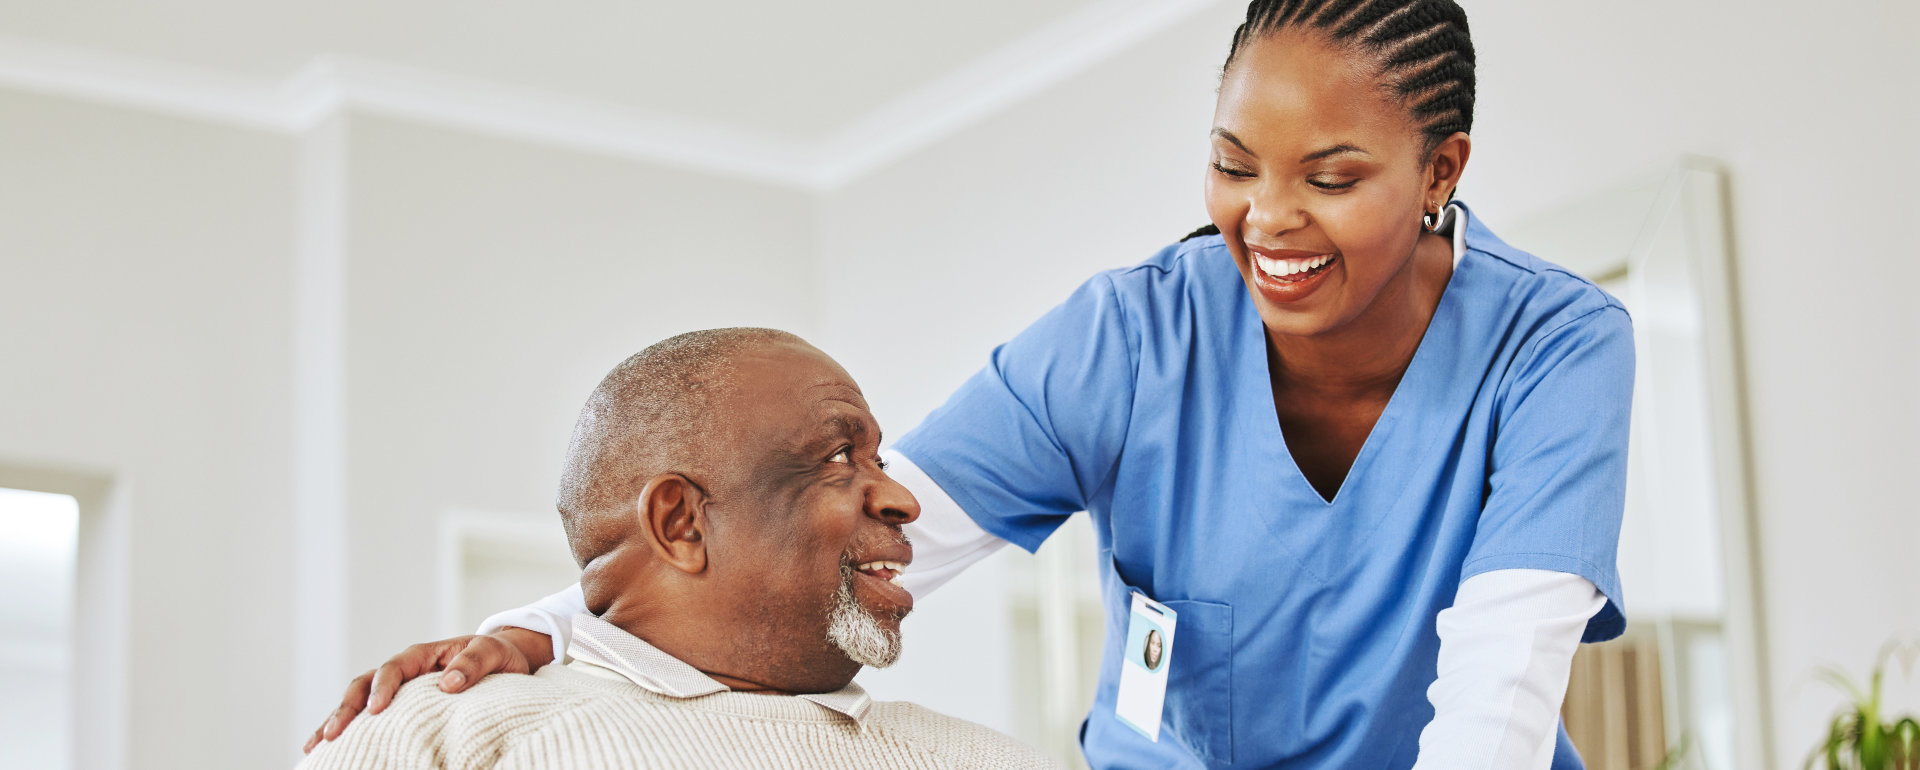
point(732, 651)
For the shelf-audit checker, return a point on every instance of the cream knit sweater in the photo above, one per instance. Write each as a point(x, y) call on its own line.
point(563, 718)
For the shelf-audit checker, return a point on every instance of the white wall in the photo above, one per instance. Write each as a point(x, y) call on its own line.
point(143, 335)
point(930, 262)
point(490, 285)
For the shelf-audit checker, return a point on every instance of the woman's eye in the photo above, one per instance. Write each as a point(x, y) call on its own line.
point(842, 456)
point(1231, 171)
point(1329, 184)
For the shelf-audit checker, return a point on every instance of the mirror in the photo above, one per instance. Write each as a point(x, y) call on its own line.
point(1683, 687)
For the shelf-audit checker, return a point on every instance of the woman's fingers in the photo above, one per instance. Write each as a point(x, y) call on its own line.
point(372, 692)
point(400, 669)
point(534, 647)
point(351, 705)
point(481, 656)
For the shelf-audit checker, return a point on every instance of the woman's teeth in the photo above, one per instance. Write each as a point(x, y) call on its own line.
point(1281, 268)
point(885, 570)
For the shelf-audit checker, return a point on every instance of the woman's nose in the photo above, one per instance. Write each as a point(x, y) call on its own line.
point(1272, 213)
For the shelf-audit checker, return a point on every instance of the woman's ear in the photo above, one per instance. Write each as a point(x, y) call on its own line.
point(673, 519)
point(1445, 165)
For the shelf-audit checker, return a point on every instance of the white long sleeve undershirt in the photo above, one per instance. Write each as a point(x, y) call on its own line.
point(1506, 644)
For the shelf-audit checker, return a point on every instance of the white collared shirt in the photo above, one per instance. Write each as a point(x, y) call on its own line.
point(602, 649)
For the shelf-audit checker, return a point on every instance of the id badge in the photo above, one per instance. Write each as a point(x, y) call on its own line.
point(1144, 666)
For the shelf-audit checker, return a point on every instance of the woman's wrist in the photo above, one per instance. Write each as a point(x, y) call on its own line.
point(535, 646)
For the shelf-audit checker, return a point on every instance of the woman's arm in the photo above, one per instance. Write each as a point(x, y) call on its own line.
point(551, 617)
point(1540, 575)
point(1506, 648)
point(945, 539)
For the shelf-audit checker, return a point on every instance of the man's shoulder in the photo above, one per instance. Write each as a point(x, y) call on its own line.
point(425, 725)
point(488, 707)
point(955, 740)
point(501, 689)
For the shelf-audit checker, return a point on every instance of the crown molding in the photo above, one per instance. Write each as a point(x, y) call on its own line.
point(1047, 57)
point(144, 84)
point(590, 126)
point(332, 84)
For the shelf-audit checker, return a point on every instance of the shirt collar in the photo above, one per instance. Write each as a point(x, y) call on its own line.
point(607, 646)
point(1453, 225)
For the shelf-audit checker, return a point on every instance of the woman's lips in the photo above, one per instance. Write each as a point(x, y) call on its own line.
point(1291, 270)
point(1284, 276)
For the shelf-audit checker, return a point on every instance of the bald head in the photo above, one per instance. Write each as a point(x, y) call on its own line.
point(726, 499)
point(652, 414)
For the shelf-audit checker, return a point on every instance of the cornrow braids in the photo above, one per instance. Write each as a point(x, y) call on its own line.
point(1423, 48)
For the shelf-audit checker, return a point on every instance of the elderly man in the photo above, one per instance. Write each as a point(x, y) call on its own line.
point(741, 549)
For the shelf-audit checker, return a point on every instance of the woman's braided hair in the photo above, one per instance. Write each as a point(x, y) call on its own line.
point(1424, 51)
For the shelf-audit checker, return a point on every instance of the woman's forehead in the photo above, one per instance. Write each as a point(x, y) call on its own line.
point(1288, 90)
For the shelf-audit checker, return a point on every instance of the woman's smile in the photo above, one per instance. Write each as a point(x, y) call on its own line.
point(1285, 276)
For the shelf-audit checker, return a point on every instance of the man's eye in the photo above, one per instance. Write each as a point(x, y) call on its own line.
point(843, 456)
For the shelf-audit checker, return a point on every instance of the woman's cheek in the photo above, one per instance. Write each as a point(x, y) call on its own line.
point(1373, 227)
point(1221, 208)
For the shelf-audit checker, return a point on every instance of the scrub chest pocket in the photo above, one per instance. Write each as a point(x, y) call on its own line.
point(1199, 707)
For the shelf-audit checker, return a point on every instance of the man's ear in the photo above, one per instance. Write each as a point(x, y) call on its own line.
point(673, 517)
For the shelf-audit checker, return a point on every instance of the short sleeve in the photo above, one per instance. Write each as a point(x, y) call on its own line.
point(1031, 438)
point(1557, 486)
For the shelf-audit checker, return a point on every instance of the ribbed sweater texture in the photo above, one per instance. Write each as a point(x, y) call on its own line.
point(561, 718)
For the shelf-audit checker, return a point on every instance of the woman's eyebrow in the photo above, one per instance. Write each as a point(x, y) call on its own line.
point(1338, 149)
point(1228, 135)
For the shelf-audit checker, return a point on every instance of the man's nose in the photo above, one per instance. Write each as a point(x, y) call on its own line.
point(889, 501)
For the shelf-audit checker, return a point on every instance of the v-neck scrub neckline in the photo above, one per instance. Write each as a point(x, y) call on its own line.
point(1455, 235)
point(1307, 626)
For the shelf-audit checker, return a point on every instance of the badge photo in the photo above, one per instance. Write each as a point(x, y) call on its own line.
point(1143, 668)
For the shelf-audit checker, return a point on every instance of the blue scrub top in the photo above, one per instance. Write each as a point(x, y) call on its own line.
point(1306, 636)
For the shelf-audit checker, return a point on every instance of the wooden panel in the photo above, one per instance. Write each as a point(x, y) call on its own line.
point(1613, 708)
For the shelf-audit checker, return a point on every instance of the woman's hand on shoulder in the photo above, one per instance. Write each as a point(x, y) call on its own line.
point(466, 659)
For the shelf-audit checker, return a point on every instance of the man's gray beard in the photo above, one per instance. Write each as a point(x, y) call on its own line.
point(857, 632)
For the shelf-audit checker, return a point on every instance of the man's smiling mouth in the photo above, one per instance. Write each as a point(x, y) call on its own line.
point(889, 571)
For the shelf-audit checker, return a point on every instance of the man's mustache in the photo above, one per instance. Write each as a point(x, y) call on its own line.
point(849, 557)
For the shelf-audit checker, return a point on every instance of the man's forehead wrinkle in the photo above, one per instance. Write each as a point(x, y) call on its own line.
point(849, 416)
point(847, 394)
point(842, 424)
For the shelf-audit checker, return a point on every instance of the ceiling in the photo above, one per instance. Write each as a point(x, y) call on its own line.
point(797, 70)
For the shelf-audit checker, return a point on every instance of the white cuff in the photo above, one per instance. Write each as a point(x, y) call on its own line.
point(1506, 649)
point(945, 539)
point(552, 616)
